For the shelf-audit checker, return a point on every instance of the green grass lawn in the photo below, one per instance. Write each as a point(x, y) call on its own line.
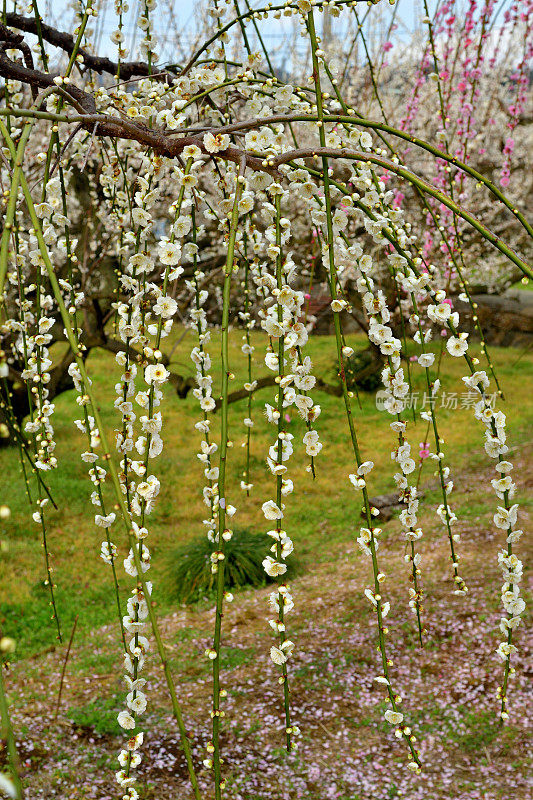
point(523, 283)
point(321, 515)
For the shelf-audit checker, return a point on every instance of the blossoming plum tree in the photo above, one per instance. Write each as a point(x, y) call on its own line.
point(127, 185)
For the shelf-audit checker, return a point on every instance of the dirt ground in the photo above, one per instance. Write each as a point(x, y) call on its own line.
point(346, 749)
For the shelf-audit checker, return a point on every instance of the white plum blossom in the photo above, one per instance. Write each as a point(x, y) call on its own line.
point(216, 143)
point(456, 347)
point(156, 373)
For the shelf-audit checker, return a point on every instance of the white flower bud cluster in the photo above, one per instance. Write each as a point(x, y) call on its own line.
point(494, 421)
point(37, 371)
point(97, 473)
point(381, 335)
point(143, 321)
point(248, 322)
point(144, 22)
point(203, 393)
point(349, 261)
point(505, 518)
point(117, 36)
point(439, 313)
point(32, 330)
point(397, 389)
point(287, 336)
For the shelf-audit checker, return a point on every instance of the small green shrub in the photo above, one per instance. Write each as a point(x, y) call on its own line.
point(189, 575)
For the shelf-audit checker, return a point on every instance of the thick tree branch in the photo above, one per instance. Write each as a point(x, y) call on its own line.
point(165, 145)
point(17, 41)
point(66, 42)
point(118, 127)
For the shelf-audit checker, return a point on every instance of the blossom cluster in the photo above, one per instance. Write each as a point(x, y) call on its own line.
point(287, 335)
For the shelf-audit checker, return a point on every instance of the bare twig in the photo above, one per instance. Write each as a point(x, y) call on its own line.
point(65, 667)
